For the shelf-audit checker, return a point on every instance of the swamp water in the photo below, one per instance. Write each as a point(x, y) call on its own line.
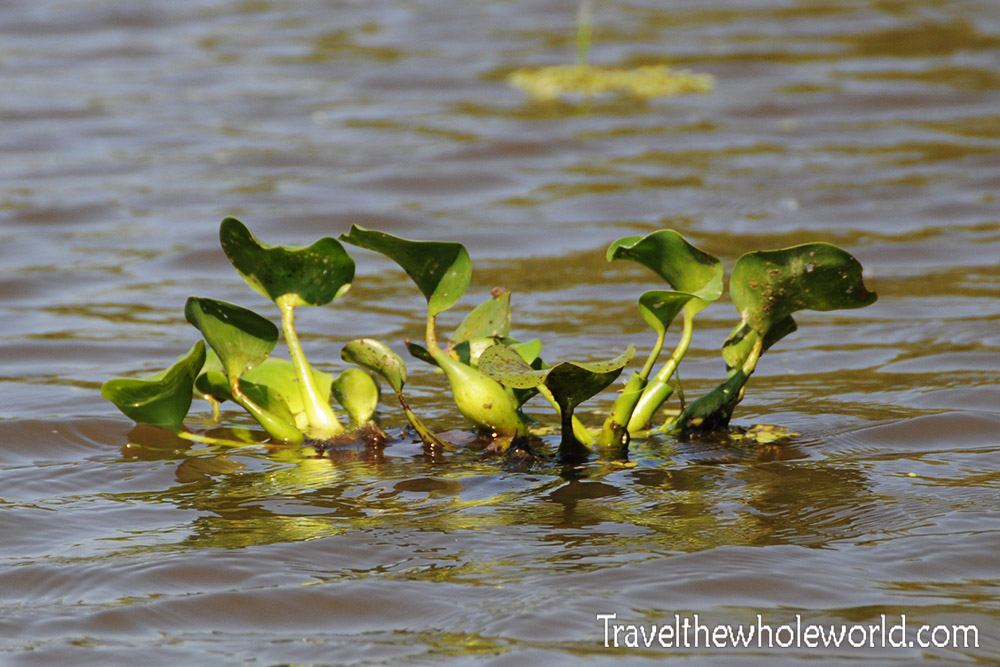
point(129, 130)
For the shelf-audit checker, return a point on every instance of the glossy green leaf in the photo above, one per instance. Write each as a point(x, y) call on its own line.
point(441, 270)
point(573, 383)
point(489, 319)
point(670, 256)
point(279, 374)
point(660, 307)
point(316, 274)
point(379, 358)
point(214, 383)
point(768, 286)
point(240, 337)
point(358, 393)
point(469, 351)
point(420, 352)
point(273, 387)
point(162, 402)
point(576, 380)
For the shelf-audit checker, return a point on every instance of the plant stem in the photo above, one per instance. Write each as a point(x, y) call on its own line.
point(654, 354)
point(750, 364)
point(431, 441)
point(579, 430)
point(614, 433)
point(714, 409)
point(216, 409)
point(584, 30)
point(322, 420)
point(430, 335)
point(658, 390)
point(571, 450)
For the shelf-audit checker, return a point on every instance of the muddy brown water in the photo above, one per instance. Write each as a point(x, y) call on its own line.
point(129, 130)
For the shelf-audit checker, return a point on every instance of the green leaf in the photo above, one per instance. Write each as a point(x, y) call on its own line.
point(768, 286)
point(469, 351)
point(440, 270)
point(316, 274)
point(240, 337)
point(508, 367)
point(660, 307)
point(162, 402)
point(420, 352)
point(489, 319)
point(670, 256)
point(379, 358)
point(273, 388)
point(529, 350)
point(215, 384)
point(279, 374)
point(573, 383)
point(358, 393)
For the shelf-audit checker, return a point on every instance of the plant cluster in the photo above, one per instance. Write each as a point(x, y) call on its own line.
point(491, 374)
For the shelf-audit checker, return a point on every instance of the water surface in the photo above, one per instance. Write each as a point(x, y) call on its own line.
point(128, 132)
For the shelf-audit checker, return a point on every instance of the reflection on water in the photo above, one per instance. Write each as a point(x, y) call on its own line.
point(128, 133)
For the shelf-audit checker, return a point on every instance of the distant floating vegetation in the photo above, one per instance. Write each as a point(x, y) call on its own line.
point(646, 82)
point(585, 80)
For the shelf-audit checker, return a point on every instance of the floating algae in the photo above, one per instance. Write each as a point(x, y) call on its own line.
point(646, 82)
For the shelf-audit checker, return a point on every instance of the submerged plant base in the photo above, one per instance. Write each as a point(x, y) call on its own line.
point(647, 82)
point(371, 435)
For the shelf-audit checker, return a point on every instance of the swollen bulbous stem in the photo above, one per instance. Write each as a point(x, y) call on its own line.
point(276, 427)
point(322, 420)
point(482, 400)
point(657, 391)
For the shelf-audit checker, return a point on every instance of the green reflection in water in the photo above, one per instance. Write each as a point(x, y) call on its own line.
point(673, 496)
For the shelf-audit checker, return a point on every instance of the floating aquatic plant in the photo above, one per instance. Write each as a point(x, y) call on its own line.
point(492, 376)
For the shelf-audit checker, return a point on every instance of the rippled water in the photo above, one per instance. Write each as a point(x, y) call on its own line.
point(129, 130)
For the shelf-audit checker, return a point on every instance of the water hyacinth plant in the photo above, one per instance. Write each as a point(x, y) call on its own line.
point(491, 375)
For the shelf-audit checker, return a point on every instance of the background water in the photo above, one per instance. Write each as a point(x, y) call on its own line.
point(129, 130)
